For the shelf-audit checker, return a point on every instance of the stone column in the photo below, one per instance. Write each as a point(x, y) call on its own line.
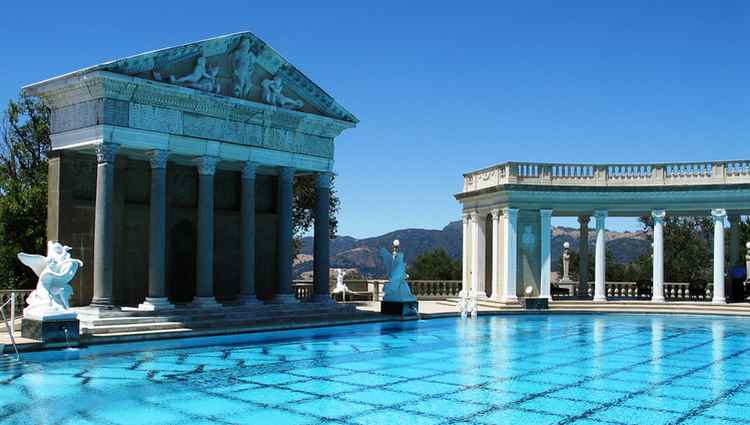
point(286, 198)
point(103, 236)
point(321, 247)
point(466, 272)
point(734, 240)
point(157, 234)
point(658, 258)
point(546, 254)
point(510, 244)
point(719, 215)
point(496, 279)
point(477, 269)
point(247, 234)
point(204, 270)
point(583, 256)
point(600, 267)
point(747, 261)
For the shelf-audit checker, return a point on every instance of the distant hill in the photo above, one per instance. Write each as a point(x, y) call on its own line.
point(362, 254)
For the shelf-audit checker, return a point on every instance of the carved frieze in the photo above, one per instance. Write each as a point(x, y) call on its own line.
point(147, 117)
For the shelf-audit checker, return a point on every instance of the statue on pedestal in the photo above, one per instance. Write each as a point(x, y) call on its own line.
point(51, 297)
point(397, 296)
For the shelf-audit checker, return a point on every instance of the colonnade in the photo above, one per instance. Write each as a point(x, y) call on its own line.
point(206, 168)
point(504, 253)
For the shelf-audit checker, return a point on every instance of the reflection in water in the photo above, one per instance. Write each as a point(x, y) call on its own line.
point(717, 351)
point(657, 350)
point(597, 344)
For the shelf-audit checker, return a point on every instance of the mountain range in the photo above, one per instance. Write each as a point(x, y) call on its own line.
point(362, 254)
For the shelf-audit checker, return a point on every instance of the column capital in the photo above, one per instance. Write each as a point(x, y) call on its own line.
point(719, 213)
point(545, 213)
point(475, 216)
point(158, 158)
point(287, 174)
point(496, 213)
point(466, 217)
point(511, 213)
point(658, 215)
point(584, 219)
point(600, 214)
point(106, 152)
point(249, 169)
point(206, 165)
point(323, 180)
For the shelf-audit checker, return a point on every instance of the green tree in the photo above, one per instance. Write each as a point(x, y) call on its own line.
point(688, 243)
point(23, 187)
point(303, 215)
point(435, 265)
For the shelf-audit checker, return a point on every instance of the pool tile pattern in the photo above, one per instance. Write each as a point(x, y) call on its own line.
point(557, 369)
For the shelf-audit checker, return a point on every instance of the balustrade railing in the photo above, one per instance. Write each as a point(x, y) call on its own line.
point(303, 290)
point(435, 289)
point(697, 173)
point(673, 291)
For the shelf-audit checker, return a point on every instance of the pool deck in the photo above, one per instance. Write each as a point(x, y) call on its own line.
point(368, 312)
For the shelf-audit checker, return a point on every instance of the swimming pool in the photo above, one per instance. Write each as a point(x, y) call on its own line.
point(535, 369)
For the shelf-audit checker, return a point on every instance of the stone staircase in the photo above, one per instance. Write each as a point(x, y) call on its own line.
point(139, 324)
point(8, 361)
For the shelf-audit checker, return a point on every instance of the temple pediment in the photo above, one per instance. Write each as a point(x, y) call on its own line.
point(237, 65)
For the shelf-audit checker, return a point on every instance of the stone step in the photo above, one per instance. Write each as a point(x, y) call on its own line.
point(227, 323)
point(8, 361)
point(184, 310)
point(216, 314)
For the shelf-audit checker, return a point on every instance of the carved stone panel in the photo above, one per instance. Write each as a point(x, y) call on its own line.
point(163, 120)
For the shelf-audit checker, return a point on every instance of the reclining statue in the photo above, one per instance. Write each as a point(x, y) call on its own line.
point(51, 297)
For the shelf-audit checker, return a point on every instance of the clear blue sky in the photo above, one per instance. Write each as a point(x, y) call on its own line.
point(446, 87)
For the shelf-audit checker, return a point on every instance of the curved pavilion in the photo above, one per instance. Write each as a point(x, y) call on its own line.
point(507, 212)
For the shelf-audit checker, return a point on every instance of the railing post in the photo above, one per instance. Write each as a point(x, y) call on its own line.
point(12, 311)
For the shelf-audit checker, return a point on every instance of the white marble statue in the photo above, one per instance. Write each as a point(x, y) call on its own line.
point(340, 285)
point(203, 77)
point(396, 289)
point(50, 298)
point(467, 304)
point(243, 60)
point(272, 94)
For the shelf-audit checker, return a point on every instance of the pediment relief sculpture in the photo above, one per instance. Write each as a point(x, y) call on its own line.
point(202, 77)
point(272, 94)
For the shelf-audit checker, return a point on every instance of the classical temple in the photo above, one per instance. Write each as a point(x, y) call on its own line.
point(171, 174)
point(508, 208)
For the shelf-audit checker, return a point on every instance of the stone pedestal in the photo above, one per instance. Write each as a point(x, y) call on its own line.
point(400, 308)
point(51, 331)
point(541, 303)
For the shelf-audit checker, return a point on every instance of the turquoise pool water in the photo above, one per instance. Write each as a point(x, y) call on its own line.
point(531, 369)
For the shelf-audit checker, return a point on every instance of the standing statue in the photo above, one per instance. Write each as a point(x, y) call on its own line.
point(52, 294)
point(340, 285)
point(243, 60)
point(566, 262)
point(396, 289)
point(202, 77)
point(272, 94)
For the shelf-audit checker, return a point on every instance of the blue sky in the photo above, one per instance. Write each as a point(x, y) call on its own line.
point(446, 87)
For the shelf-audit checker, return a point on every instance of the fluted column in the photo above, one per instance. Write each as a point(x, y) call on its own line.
point(204, 270)
point(477, 272)
point(600, 266)
point(583, 256)
point(466, 255)
point(496, 278)
point(247, 234)
point(658, 258)
point(286, 198)
point(106, 154)
point(322, 238)
point(157, 234)
point(718, 216)
point(546, 263)
point(510, 244)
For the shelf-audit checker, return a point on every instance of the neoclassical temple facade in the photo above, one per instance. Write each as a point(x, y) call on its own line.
point(508, 208)
point(171, 174)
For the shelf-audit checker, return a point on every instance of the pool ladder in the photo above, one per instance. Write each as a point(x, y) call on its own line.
point(6, 360)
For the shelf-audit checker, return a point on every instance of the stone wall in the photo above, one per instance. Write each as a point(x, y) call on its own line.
point(72, 183)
